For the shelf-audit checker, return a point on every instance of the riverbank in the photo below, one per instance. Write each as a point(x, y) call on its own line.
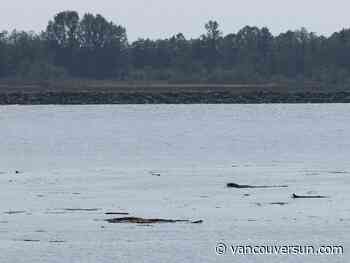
point(102, 92)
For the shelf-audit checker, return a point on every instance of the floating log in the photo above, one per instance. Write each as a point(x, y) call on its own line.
point(295, 196)
point(243, 186)
point(278, 203)
point(29, 240)
point(197, 222)
point(14, 212)
point(57, 241)
point(81, 209)
point(116, 213)
point(139, 220)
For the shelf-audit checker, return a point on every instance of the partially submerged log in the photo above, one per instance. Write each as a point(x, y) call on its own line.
point(29, 240)
point(139, 220)
point(116, 213)
point(295, 196)
point(243, 186)
point(197, 222)
point(81, 209)
point(14, 212)
point(278, 203)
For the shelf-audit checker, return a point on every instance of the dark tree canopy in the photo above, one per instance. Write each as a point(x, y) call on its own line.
point(94, 48)
point(64, 29)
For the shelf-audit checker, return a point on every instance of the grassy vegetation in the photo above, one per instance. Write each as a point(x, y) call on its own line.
point(96, 86)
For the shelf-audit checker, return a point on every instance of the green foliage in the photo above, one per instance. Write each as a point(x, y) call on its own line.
point(4, 55)
point(63, 30)
point(93, 47)
point(40, 70)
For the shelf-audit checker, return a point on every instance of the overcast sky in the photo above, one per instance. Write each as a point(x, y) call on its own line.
point(161, 18)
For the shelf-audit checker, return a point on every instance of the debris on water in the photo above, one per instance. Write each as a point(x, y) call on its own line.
point(295, 196)
point(81, 209)
point(139, 220)
point(57, 241)
point(40, 196)
point(154, 173)
point(197, 222)
point(240, 186)
point(278, 203)
point(116, 213)
point(75, 193)
point(338, 172)
point(28, 240)
point(14, 212)
point(271, 203)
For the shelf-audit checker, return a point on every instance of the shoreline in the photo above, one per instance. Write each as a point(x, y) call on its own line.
point(109, 92)
point(86, 98)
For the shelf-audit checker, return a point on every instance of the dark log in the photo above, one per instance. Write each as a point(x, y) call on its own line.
point(240, 186)
point(295, 196)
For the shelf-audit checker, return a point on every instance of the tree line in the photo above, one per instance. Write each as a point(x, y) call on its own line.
point(91, 47)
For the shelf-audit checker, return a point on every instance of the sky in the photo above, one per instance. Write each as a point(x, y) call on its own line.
point(163, 18)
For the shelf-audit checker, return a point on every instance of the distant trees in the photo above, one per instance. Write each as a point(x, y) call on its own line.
point(102, 47)
point(63, 31)
point(4, 58)
point(93, 47)
point(62, 38)
point(211, 41)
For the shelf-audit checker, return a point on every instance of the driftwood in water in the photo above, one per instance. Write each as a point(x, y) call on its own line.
point(295, 196)
point(81, 209)
point(279, 203)
point(139, 220)
point(29, 240)
point(243, 186)
point(14, 212)
point(116, 213)
point(197, 222)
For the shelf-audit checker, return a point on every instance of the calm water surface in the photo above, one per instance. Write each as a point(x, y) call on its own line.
point(108, 158)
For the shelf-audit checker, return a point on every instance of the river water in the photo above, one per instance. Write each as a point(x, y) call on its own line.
point(75, 163)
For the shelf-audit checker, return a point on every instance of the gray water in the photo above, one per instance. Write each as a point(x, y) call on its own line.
point(108, 158)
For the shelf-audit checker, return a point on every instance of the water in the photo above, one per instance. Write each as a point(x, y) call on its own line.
point(108, 158)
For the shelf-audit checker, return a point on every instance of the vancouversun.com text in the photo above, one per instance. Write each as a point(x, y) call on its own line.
point(222, 249)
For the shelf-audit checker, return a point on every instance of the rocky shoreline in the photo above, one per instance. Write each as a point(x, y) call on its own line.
point(210, 97)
